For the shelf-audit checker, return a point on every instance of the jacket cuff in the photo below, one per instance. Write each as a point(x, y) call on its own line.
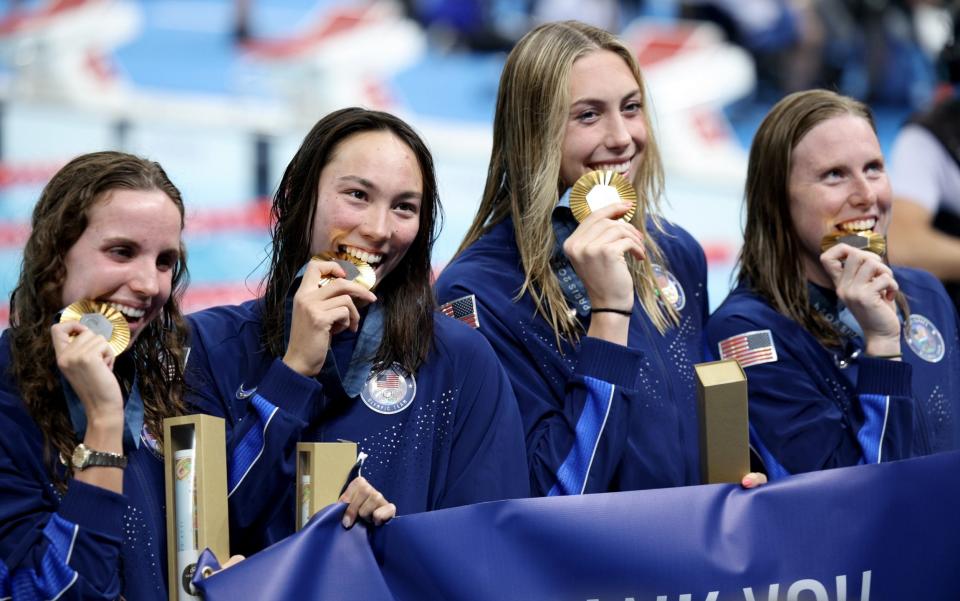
point(94, 508)
point(294, 393)
point(883, 376)
point(613, 363)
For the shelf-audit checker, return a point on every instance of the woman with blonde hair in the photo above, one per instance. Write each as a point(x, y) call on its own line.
point(599, 323)
point(849, 360)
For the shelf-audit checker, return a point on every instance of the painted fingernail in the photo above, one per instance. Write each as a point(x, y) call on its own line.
point(346, 522)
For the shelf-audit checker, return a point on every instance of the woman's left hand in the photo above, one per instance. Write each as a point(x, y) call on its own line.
point(366, 502)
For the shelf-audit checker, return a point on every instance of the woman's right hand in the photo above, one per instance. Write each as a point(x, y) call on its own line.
point(86, 360)
point(320, 312)
point(867, 287)
point(597, 250)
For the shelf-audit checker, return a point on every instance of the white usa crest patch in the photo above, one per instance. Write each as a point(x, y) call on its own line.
point(389, 390)
point(924, 338)
point(671, 290)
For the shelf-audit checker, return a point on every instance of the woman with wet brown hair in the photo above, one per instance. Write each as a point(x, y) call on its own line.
point(323, 357)
point(81, 511)
point(849, 360)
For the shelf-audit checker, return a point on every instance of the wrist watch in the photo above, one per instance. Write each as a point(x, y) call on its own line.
point(84, 457)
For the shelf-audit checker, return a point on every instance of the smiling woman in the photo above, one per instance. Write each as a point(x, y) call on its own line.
point(598, 323)
point(84, 521)
point(127, 255)
point(842, 368)
point(323, 358)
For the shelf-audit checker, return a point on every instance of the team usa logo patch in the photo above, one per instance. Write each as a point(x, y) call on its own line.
point(670, 289)
point(749, 348)
point(924, 338)
point(390, 390)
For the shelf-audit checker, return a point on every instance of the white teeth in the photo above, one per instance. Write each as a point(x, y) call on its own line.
point(366, 257)
point(128, 311)
point(858, 225)
point(621, 168)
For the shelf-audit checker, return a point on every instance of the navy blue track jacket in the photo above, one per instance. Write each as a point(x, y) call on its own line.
point(813, 408)
point(457, 441)
point(599, 417)
point(89, 543)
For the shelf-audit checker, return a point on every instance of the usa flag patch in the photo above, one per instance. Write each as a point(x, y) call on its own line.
point(463, 309)
point(749, 348)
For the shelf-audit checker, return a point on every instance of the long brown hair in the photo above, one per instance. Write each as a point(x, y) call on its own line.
point(771, 260)
point(523, 179)
point(59, 219)
point(405, 293)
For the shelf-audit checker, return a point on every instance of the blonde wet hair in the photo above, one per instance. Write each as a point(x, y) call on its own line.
point(523, 179)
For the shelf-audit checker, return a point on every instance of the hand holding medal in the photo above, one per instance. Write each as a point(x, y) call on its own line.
point(867, 287)
point(355, 269)
point(603, 202)
point(87, 339)
point(324, 305)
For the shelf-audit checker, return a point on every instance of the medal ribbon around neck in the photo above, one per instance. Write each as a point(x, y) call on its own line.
point(102, 319)
point(837, 314)
point(368, 339)
point(132, 413)
point(571, 285)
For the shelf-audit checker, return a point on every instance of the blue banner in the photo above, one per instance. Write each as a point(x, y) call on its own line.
point(888, 532)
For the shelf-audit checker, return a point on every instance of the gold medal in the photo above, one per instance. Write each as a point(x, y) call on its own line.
point(357, 270)
point(598, 189)
point(102, 319)
point(865, 240)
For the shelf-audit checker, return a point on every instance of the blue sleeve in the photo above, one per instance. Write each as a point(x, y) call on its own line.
point(883, 390)
point(488, 460)
point(262, 433)
point(69, 552)
point(576, 425)
point(806, 421)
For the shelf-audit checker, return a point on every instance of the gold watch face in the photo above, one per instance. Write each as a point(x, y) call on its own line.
point(356, 269)
point(101, 319)
point(80, 455)
point(598, 189)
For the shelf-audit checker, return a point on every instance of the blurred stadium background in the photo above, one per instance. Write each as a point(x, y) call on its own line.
point(221, 92)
